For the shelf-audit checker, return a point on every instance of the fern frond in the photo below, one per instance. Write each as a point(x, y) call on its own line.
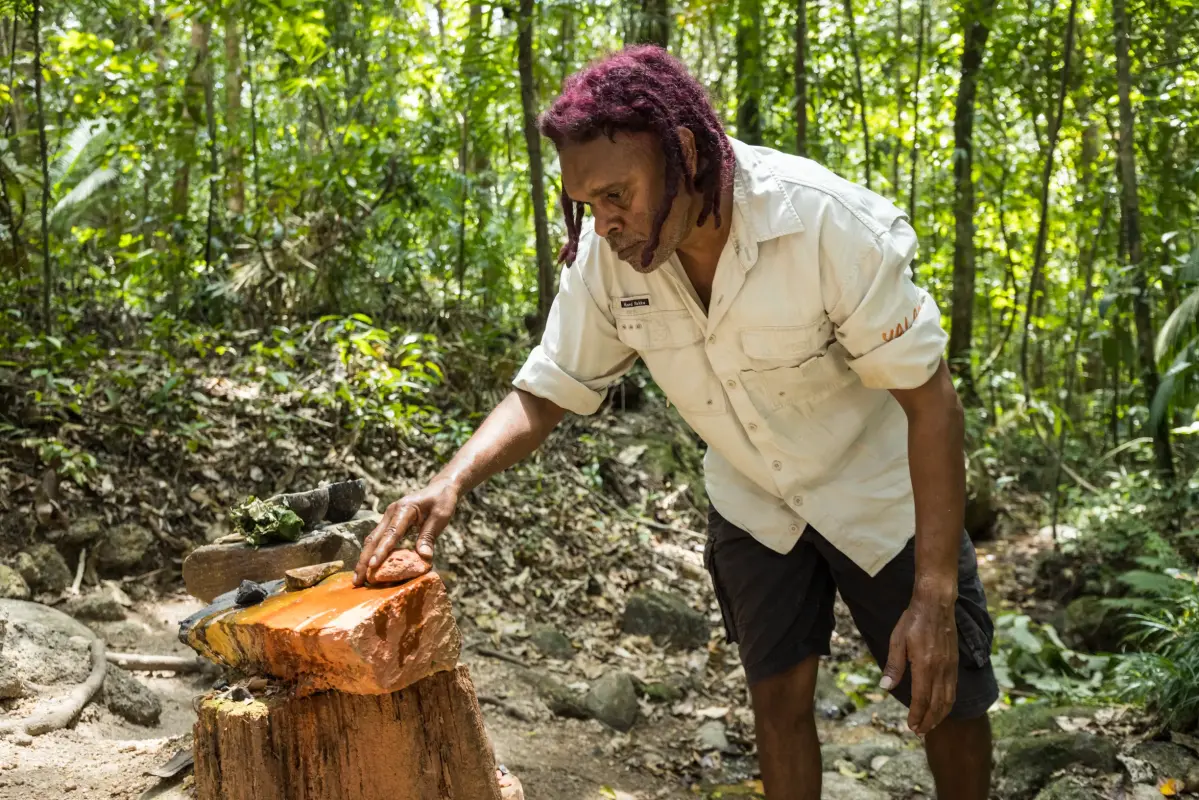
point(1182, 318)
point(83, 191)
point(78, 142)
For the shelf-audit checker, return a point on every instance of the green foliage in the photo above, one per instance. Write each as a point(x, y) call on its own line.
point(1164, 673)
point(262, 522)
point(1031, 656)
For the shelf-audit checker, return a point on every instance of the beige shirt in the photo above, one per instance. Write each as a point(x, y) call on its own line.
point(813, 317)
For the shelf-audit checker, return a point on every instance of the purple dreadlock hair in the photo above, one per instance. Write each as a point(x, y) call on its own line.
point(642, 88)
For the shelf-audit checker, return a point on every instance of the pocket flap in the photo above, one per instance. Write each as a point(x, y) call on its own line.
point(658, 330)
point(784, 342)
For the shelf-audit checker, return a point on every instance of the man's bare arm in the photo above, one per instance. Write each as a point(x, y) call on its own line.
point(512, 431)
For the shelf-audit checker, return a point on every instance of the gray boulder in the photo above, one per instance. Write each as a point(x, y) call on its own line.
point(1067, 787)
point(1168, 760)
point(552, 643)
point(98, 606)
point(1027, 718)
point(613, 701)
point(12, 585)
point(559, 699)
point(43, 569)
point(124, 547)
point(712, 736)
point(1029, 763)
point(906, 772)
point(667, 619)
point(862, 754)
point(831, 702)
point(835, 786)
point(128, 697)
point(84, 530)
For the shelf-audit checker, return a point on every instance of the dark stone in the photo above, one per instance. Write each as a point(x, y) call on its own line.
point(100, 606)
point(831, 701)
point(44, 569)
point(1029, 763)
point(345, 499)
point(1067, 787)
point(1027, 718)
point(667, 619)
point(904, 773)
point(124, 547)
point(12, 585)
point(552, 643)
point(309, 506)
point(1167, 759)
point(250, 593)
point(126, 696)
point(613, 701)
point(221, 603)
point(559, 699)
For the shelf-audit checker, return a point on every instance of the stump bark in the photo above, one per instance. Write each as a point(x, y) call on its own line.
point(425, 742)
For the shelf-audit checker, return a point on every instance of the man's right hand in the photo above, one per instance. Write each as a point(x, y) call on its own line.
point(429, 509)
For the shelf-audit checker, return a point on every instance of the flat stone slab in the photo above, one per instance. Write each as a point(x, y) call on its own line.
point(360, 640)
point(214, 569)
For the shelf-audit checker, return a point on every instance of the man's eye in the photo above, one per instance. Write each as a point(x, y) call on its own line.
point(614, 196)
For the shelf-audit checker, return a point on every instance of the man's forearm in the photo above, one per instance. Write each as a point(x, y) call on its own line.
point(512, 431)
point(936, 431)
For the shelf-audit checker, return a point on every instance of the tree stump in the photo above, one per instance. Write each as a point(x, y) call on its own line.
point(426, 742)
point(368, 703)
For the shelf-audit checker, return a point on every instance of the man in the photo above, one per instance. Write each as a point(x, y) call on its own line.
point(773, 303)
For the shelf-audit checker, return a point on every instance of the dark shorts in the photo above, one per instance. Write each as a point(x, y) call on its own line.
point(779, 608)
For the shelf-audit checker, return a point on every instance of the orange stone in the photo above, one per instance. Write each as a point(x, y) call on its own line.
point(401, 565)
point(366, 640)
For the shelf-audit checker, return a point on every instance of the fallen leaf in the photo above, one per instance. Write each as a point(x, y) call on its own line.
point(1169, 787)
point(712, 712)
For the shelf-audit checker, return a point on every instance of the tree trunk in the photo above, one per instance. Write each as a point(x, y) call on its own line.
point(235, 179)
point(528, 101)
point(426, 741)
point(977, 19)
point(204, 66)
point(897, 66)
point(857, 67)
point(749, 71)
point(916, 113)
point(653, 23)
point(801, 78)
point(1038, 260)
point(1130, 213)
point(47, 265)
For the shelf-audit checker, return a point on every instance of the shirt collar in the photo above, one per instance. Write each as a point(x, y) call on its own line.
point(763, 208)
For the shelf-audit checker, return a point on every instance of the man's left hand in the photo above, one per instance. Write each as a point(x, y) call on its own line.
point(927, 636)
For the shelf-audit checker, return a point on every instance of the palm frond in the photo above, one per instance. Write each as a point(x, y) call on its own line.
point(1182, 318)
point(77, 144)
point(83, 191)
point(1170, 380)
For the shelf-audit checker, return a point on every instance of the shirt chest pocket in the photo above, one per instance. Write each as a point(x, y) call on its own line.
point(786, 345)
point(671, 345)
point(804, 388)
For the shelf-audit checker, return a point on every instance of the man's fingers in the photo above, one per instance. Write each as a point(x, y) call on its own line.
point(368, 545)
point(897, 658)
point(936, 709)
point(922, 695)
point(428, 535)
point(391, 536)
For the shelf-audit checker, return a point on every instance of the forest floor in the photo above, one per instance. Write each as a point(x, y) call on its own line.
point(104, 756)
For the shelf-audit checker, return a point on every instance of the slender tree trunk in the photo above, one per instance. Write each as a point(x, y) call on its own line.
point(749, 71)
point(916, 113)
point(1130, 215)
point(47, 265)
point(233, 162)
point(528, 101)
point(1038, 260)
point(857, 67)
point(253, 114)
point(897, 66)
point(653, 23)
point(977, 18)
point(801, 78)
point(204, 64)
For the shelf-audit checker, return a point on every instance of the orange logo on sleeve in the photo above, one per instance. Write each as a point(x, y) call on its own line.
point(902, 328)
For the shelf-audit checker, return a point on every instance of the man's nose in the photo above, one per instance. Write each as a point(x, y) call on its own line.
point(608, 225)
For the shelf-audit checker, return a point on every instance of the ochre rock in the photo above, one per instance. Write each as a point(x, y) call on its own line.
point(399, 566)
point(307, 577)
point(367, 640)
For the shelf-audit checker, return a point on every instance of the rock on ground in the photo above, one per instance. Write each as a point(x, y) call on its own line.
point(1067, 787)
point(1028, 763)
point(613, 701)
point(905, 772)
point(99, 606)
point(124, 547)
point(1168, 760)
point(666, 618)
point(81, 531)
point(44, 655)
point(43, 568)
point(831, 702)
point(862, 754)
point(12, 584)
point(128, 697)
point(1024, 719)
point(712, 736)
point(559, 699)
point(836, 786)
point(552, 643)
point(11, 685)
point(1090, 624)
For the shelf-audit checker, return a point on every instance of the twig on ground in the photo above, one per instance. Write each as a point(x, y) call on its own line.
point(79, 571)
point(508, 708)
point(63, 712)
point(154, 663)
point(496, 654)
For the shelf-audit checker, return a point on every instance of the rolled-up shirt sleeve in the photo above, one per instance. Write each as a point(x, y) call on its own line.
point(579, 355)
point(890, 326)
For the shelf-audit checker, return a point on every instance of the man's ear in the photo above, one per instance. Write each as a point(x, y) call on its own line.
point(687, 140)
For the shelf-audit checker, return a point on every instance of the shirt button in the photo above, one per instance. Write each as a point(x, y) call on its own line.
point(712, 339)
point(797, 500)
point(753, 426)
point(794, 528)
point(777, 465)
point(731, 384)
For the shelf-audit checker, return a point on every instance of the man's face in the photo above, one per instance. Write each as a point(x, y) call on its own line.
point(622, 181)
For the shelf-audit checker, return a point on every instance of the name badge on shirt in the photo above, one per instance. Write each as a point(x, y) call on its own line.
point(640, 301)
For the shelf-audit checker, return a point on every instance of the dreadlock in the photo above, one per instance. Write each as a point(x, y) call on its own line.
point(639, 89)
